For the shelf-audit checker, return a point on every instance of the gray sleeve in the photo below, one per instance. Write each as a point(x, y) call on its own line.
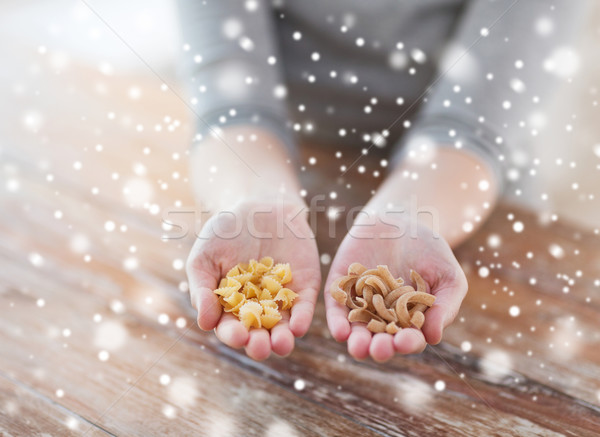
point(232, 65)
point(497, 76)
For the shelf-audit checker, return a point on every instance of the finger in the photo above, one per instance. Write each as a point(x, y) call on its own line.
point(204, 300)
point(231, 331)
point(382, 347)
point(336, 313)
point(409, 341)
point(208, 307)
point(303, 311)
point(337, 318)
point(444, 310)
point(359, 341)
point(308, 282)
point(282, 339)
point(433, 327)
point(259, 344)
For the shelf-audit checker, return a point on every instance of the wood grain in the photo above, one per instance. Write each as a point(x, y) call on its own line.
point(24, 412)
point(124, 394)
point(70, 288)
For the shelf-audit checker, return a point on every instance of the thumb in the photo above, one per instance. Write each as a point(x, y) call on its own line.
point(203, 278)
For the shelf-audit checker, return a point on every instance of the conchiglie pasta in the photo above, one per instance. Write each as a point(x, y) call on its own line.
point(234, 271)
point(268, 303)
point(243, 278)
point(255, 292)
point(267, 261)
point(250, 314)
point(251, 290)
point(265, 295)
point(283, 273)
point(270, 317)
point(228, 287)
point(235, 299)
point(271, 283)
point(286, 297)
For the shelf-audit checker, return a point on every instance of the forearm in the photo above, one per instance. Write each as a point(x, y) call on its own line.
point(453, 191)
point(250, 157)
point(243, 163)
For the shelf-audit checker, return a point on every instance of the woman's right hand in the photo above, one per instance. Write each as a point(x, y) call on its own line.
point(252, 230)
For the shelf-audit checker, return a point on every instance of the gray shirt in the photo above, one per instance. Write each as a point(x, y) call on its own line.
point(472, 74)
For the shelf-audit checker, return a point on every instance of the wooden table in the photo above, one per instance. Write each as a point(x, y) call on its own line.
point(98, 338)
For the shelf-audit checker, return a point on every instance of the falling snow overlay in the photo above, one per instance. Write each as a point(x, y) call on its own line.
point(132, 135)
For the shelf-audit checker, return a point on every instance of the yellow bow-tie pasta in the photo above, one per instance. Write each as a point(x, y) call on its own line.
point(286, 297)
point(251, 290)
point(250, 314)
point(270, 317)
point(283, 272)
point(271, 283)
point(254, 292)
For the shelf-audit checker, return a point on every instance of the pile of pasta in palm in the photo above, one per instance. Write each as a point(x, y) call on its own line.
point(381, 301)
point(255, 292)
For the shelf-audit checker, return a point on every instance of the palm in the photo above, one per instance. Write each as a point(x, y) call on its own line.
point(222, 245)
point(429, 256)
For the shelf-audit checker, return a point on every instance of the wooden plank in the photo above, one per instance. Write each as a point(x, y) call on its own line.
point(24, 412)
point(400, 398)
point(527, 255)
point(319, 346)
point(385, 398)
point(124, 394)
point(105, 266)
point(546, 339)
point(553, 329)
point(513, 381)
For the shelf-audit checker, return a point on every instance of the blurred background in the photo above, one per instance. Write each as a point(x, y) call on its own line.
point(94, 136)
point(68, 77)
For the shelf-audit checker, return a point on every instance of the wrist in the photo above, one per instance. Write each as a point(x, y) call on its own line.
point(286, 200)
point(243, 163)
point(251, 199)
point(453, 188)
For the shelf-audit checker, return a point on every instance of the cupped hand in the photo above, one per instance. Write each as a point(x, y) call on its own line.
point(253, 230)
point(402, 245)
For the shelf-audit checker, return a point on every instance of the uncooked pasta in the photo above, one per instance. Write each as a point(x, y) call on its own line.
point(255, 292)
point(381, 301)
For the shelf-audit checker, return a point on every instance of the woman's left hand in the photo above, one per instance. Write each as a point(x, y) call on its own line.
point(402, 246)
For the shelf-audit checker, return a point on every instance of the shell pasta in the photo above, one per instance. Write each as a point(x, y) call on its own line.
point(255, 293)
